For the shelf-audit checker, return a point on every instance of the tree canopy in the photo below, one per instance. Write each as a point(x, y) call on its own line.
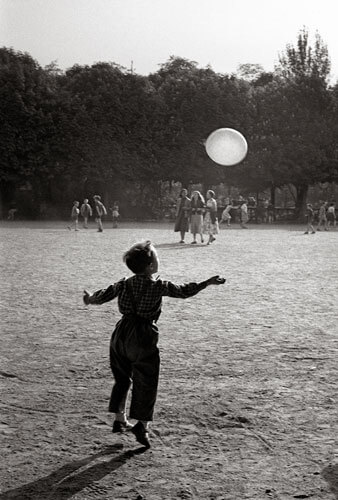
point(105, 128)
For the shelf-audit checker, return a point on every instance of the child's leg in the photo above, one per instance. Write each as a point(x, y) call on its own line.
point(122, 376)
point(99, 224)
point(146, 370)
point(122, 371)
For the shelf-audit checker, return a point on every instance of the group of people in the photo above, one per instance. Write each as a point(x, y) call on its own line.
point(86, 212)
point(326, 217)
point(197, 213)
point(201, 215)
point(244, 215)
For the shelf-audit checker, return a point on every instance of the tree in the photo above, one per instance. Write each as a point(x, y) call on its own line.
point(26, 124)
point(291, 136)
point(250, 72)
point(196, 102)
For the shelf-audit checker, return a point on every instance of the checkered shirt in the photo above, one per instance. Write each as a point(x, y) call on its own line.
point(147, 293)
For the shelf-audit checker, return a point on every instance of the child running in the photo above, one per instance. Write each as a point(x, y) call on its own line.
point(134, 355)
point(226, 216)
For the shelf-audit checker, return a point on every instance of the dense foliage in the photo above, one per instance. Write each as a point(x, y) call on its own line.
point(101, 128)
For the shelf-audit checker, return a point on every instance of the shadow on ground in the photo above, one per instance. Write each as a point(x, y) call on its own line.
point(65, 482)
point(330, 474)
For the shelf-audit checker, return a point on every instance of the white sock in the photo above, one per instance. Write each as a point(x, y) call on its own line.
point(145, 424)
point(121, 416)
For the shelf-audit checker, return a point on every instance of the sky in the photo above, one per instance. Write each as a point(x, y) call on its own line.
point(143, 34)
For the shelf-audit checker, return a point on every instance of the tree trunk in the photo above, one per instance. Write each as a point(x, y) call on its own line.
point(273, 194)
point(302, 191)
point(7, 196)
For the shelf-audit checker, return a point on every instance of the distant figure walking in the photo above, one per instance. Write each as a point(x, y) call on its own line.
point(100, 212)
point(115, 214)
point(196, 215)
point(309, 214)
point(182, 214)
point(210, 223)
point(86, 212)
point(244, 215)
point(331, 215)
point(74, 216)
point(322, 220)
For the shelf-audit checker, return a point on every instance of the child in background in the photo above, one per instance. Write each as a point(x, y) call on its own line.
point(75, 216)
point(309, 218)
point(322, 220)
point(115, 214)
point(226, 217)
point(244, 215)
point(210, 223)
point(331, 215)
point(100, 212)
point(86, 212)
point(134, 355)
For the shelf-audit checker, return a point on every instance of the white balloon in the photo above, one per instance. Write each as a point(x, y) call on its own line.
point(226, 146)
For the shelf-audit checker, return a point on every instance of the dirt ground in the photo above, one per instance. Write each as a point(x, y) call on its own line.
point(247, 404)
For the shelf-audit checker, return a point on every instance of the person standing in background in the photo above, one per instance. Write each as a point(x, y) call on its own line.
point(196, 215)
point(309, 214)
point(210, 223)
point(115, 213)
point(74, 216)
point(244, 215)
point(86, 212)
point(322, 220)
point(100, 212)
point(331, 215)
point(182, 214)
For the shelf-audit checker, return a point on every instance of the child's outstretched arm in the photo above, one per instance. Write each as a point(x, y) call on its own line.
point(189, 289)
point(102, 296)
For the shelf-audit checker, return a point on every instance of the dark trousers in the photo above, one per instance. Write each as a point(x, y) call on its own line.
point(134, 359)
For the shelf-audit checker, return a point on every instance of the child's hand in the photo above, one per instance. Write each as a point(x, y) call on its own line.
point(216, 280)
point(86, 297)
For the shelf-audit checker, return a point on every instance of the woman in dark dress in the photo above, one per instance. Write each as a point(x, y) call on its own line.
point(196, 215)
point(182, 214)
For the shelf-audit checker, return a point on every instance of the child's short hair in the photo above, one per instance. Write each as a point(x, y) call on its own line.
point(139, 256)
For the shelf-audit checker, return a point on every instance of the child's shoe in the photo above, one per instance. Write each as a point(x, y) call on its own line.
point(141, 434)
point(119, 427)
